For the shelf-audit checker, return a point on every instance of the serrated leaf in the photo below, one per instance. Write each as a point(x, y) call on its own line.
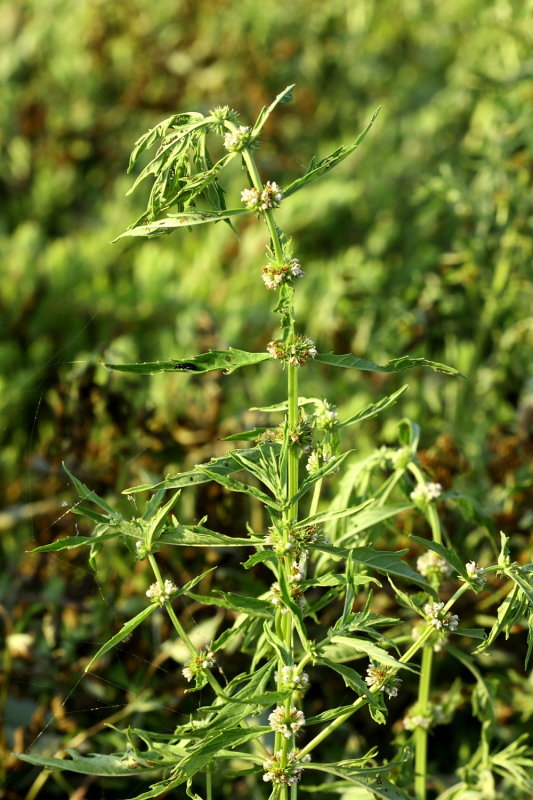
point(198, 536)
point(373, 409)
point(252, 606)
point(377, 654)
point(226, 360)
point(184, 220)
point(389, 562)
point(69, 542)
point(283, 97)
point(318, 168)
point(233, 485)
point(126, 629)
point(350, 361)
point(92, 764)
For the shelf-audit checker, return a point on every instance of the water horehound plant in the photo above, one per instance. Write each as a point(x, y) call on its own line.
point(314, 616)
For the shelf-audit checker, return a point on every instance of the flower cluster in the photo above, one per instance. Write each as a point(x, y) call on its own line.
point(383, 679)
point(431, 565)
point(296, 354)
point(237, 140)
point(288, 724)
point(205, 659)
point(476, 575)
point(326, 417)
point(290, 773)
point(290, 678)
point(220, 115)
point(438, 620)
point(274, 275)
point(416, 721)
point(425, 492)
point(161, 594)
point(399, 459)
point(295, 540)
point(270, 197)
point(296, 575)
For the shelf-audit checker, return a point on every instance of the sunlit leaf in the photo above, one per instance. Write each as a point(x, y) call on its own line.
point(227, 360)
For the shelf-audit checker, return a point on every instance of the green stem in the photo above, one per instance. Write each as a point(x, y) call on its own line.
point(421, 734)
point(431, 512)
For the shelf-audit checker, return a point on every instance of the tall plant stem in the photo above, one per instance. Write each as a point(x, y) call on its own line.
point(421, 734)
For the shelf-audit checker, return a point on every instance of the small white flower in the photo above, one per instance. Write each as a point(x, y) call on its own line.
point(288, 775)
point(431, 563)
point(187, 673)
point(382, 679)
point(287, 725)
point(271, 196)
point(425, 492)
point(313, 463)
point(475, 574)
point(449, 621)
point(250, 198)
point(416, 721)
point(292, 679)
point(161, 594)
point(237, 140)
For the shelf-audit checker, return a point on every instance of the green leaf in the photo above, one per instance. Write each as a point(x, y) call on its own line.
point(371, 516)
point(283, 406)
point(92, 764)
point(449, 555)
point(325, 516)
point(252, 606)
point(126, 629)
point(351, 678)
point(373, 409)
point(234, 485)
point(245, 436)
point(198, 536)
point(350, 361)
point(227, 360)
point(184, 220)
point(377, 654)
point(389, 562)
point(316, 168)
point(283, 97)
point(87, 494)
point(224, 465)
point(69, 542)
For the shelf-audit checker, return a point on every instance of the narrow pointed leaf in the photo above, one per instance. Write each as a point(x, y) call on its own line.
point(227, 360)
point(350, 361)
point(87, 494)
point(373, 409)
point(93, 764)
point(70, 542)
point(283, 97)
point(184, 220)
point(318, 168)
point(377, 654)
point(198, 536)
point(126, 629)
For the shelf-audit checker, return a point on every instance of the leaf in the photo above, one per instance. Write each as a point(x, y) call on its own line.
point(389, 562)
point(245, 436)
point(87, 494)
point(93, 764)
point(373, 409)
point(184, 220)
point(198, 536)
point(283, 406)
point(377, 654)
point(224, 465)
point(351, 678)
point(324, 516)
point(316, 168)
point(283, 97)
point(371, 516)
point(252, 606)
point(226, 360)
point(234, 485)
point(126, 629)
point(69, 542)
point(350, 361)
point(449, 555)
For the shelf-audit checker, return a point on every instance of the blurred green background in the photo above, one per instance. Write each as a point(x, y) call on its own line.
point(418, 244)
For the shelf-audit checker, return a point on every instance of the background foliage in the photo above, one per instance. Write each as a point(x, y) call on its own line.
point(419, 245)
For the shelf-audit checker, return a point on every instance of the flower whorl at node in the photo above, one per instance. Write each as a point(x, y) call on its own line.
point(416, 721)
point(205, 659)
point(296, 575)
point(431, 565)
point(286, 724)
point(270, 197)
point(439, 620)
point(290, 773)
point(296, 354)
point(423, 493)
point(383, 679)
point(476, 575)
point(220, 115)
point(237, 140)
point(141, 550)
point(161, 594)
point(274, 275)
point(326, 417)
point(398, 459)
point(295, 540)
point(290, 678)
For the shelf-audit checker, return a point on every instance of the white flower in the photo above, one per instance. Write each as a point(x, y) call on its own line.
point(161, 594)
point(271, 195)
point(424, 492)
point(475, 574)
point(313, 463)
point(382, 679)
point(288, 775)
point(204, 659)
point(431, 563)
point(250, 198)
point(416, 721)
point(237, 140)
point(292, 679)
point(187, 673)
point(449, 621)
point(288, 725)
point(274, 274)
